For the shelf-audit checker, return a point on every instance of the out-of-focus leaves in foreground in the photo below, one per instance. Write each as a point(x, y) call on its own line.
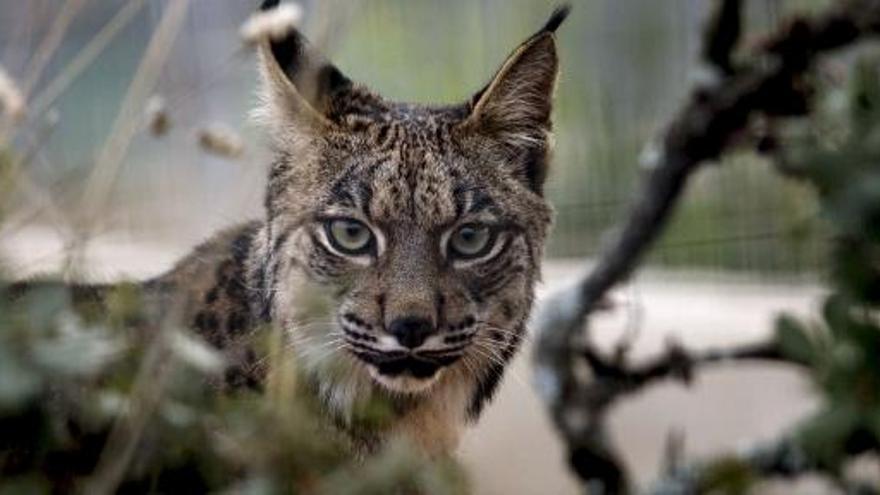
point(73, 376)
point(836, 152)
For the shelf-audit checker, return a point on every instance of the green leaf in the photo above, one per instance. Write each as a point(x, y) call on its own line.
point(18, 384)
point(79, 353)
point(824, 435)
point(727, 475)
point(793, 339)
point(25, 485)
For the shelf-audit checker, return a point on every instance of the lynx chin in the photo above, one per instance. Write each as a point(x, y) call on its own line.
point(399, 248)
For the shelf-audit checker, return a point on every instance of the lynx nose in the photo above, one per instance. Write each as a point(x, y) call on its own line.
point(411, 331)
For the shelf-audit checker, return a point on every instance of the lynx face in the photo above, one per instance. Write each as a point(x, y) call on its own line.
point(432, 252)
point(421, 228)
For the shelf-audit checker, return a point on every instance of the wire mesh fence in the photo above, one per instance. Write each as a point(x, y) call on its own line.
point(626, 66)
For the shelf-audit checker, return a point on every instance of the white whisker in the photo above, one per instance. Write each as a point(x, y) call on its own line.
point(494, 356)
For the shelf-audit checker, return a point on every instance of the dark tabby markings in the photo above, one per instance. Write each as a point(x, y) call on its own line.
point(507, 309)
point(278, 182)
point(212, 295)
point(382, 135)
point(267, 276)
point(501, 281)
point(241, 377)
point(236, 323)
point(207, 322)
point(496, 274)
point(488, 383)
point(225, 313)
point(458, 338)
point(353, 318)
point(359, 336)
point(536, 169)
point(443, 352)
point(340, 193)
point(364, 348)
point(481, 201)
point(380, 301)
point(486, 387)
point(323, 262)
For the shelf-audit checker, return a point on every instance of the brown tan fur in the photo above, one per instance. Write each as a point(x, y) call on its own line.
point(413, 175)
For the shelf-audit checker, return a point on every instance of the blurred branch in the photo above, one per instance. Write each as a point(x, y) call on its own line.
point(618, 378)
point(769, 83)
point(724, 34)
point(613, 378)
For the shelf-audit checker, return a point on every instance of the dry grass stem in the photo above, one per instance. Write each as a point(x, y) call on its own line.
point(221, 141)
point(128, 121)
point(85, 57)
point(54, 36)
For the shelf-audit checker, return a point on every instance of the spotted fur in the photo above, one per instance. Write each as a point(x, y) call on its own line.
point(412, 174)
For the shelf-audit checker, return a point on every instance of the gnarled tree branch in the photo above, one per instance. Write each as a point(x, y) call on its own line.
point(769, 83)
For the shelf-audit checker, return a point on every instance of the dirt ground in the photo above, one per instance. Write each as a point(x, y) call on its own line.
point(514, 450)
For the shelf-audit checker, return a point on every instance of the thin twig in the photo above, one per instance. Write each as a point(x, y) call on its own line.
point(618, 378)
point(43, 54)
point(84, 58)
point(54, 36)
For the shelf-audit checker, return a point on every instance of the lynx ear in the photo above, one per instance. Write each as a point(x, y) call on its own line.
point(514, 108)
point(300, 88)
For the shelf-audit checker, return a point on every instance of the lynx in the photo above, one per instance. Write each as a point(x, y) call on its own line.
point(400, 245)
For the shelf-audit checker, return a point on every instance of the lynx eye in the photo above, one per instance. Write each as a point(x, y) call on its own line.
point(471, 241)
point(349, 236)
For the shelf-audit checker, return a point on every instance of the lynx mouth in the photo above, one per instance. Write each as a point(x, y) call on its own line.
point(407, 372)
point(411, 365)
point(408, 365)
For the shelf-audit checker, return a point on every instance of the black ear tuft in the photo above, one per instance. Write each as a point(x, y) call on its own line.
point(556, 18)
point(331, 80)
point(317, 80)
point(269, 4)
point(515, 107)
point(297, 78)
point(290, 52)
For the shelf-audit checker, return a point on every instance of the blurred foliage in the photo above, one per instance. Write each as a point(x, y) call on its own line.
point(113, 402)
point(6, 165)
point(837, 152)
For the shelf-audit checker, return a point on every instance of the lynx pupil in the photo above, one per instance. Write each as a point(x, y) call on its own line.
point(350, 236)
point(470, 240)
